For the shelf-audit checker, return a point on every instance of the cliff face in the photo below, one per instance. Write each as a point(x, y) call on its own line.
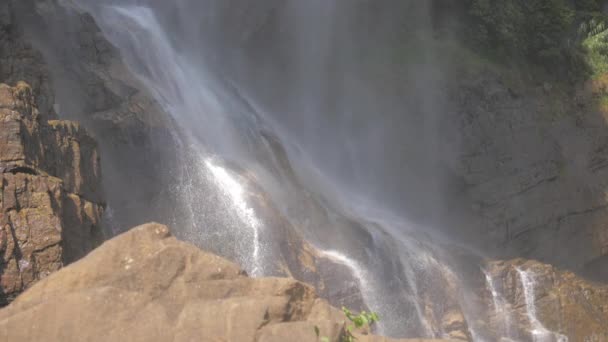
point(19, 61)
point(50, 192)
point(530, 179)
point(90, 84)
point(533, 164)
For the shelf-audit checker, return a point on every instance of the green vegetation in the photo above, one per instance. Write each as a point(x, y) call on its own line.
point(594, 37)
point(532, 29)
point(361, 320)
point(564, 37)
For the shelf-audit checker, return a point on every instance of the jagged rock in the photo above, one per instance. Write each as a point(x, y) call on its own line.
point(19, 61)
point(563, 303)
point(50, 192)
point(147, 286)
point(93, 86)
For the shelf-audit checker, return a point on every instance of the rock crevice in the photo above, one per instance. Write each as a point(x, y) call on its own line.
point(51, 200)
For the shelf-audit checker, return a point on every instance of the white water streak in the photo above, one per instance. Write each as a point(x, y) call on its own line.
point(500, 306)
point(539, 332)
point(367, 289)
point(235, 192)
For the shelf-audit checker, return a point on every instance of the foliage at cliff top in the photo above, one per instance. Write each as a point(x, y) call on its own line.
point(561, 35)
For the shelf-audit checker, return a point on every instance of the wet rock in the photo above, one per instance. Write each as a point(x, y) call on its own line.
point(146, 285)
point(19, 61)
point(539, 298)
point(518, 153)
point(50, 192)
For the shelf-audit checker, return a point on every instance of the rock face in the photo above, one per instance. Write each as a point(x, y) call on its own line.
point(525, 146)
point(533, 296)
point(50, 192)
point(19, 61)
point(91, 85)
point(147, 286)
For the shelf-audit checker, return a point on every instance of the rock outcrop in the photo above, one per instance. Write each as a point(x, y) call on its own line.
point(146, 285)
point(51, 200)
point(92, 85)
point(536, 298)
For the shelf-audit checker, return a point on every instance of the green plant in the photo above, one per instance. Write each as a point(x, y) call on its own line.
point(360, 320)
point(594, 39)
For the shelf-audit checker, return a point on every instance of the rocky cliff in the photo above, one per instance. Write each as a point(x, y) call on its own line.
point(532, 164)
point(51, 201)
point(77, 75)
point(147, 286)
point(529, 178)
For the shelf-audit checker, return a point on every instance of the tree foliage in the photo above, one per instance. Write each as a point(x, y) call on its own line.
point(531, 29)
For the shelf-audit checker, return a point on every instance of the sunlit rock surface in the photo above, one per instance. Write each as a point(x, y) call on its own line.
point(51, 200)
point(145, 285)
point(535, 301)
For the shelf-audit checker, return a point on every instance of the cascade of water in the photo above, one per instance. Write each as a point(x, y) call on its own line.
point(500, 306)
point(539, 332)
point(234, 191)
point(368, 291)
point(395, 270)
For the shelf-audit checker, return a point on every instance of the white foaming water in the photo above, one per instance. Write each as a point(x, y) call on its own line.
point(214, 198)
point(367, 290)
point(235, 192)
point(500, 306)
point(539, 332)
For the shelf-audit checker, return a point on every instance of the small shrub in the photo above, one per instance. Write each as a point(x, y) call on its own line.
point(360, 320)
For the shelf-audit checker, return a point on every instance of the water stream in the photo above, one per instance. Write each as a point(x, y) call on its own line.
point(353, 184)
point(539, 332)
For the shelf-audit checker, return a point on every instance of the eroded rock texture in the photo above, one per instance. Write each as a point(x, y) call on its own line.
point(147, 286)
point(50, 192)
point(537, 300)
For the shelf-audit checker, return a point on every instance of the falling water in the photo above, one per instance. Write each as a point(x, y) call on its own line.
point(500, 306)
point(539, 332)
point(234, 190)
point(220, 130)
point(369, 292)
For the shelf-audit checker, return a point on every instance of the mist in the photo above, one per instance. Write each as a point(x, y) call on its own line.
point(325, 116)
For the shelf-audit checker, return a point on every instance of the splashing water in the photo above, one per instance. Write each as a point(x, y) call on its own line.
point(235, 192)
point(393, 270)
point(539, 332)
point(368, 290)
point(500, 305)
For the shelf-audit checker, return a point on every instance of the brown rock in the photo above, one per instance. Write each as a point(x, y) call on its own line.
point(565, 303)
point(51, 201)
point(145, 285)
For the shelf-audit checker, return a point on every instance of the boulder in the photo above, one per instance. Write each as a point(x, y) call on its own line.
point(145, 285)
point(51, 201)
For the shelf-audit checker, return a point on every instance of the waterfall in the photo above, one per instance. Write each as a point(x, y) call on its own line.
point(539, 332)
point(235, 192)
point(347, 180)
point(501, 310)
point(368, 290)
